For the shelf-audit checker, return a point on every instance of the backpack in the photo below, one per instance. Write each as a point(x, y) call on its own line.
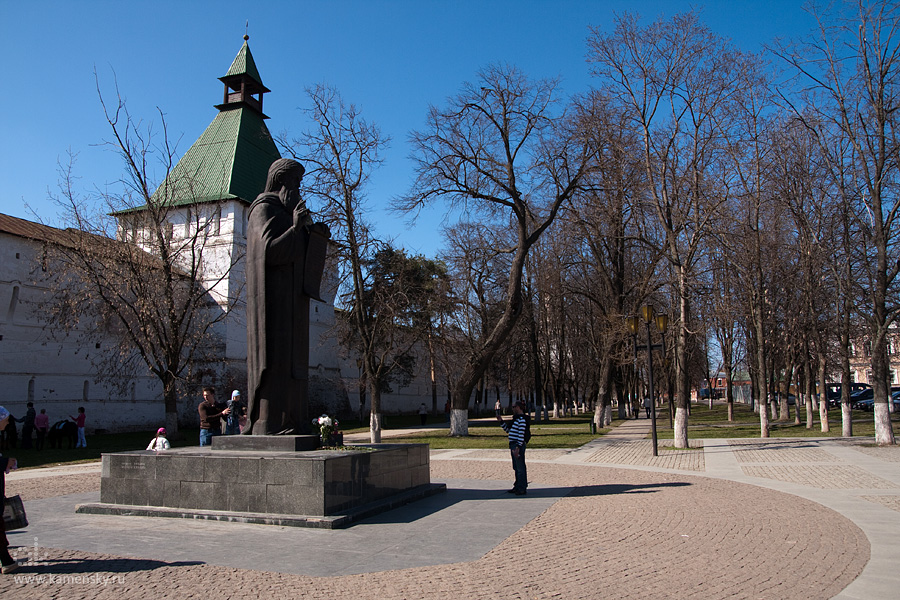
point(527, 429)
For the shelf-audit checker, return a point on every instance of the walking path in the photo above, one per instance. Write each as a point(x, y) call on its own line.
point(748, 518)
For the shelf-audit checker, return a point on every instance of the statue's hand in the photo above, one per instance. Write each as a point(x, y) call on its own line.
point(301, 215)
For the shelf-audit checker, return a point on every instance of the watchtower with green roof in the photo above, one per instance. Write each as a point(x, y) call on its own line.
point(232, 157)
point(212, 187)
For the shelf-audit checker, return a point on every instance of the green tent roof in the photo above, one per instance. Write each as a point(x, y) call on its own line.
point(232, 157)
point(230, 160)
point(244, 65)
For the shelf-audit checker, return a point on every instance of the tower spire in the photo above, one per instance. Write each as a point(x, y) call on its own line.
point(243, 85)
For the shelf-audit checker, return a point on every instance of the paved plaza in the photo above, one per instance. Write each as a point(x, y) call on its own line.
point(749, 518)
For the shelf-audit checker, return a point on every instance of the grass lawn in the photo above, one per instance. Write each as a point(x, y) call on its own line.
point(570, 432)
point(704, 422)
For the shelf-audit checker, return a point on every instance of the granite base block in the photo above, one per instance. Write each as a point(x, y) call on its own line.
point(296, 486)
point(322, 522)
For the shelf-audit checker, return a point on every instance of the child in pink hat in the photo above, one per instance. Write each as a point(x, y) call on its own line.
point(159, 442)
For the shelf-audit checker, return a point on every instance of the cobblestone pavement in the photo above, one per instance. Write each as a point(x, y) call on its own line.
point(709, 527)
point(641, 453)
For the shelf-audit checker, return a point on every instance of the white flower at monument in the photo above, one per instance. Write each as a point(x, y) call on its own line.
point(324, 420)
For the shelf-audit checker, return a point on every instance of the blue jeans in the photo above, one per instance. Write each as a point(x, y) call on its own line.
point(519, 467)
point(232, 426)
point(206, 436)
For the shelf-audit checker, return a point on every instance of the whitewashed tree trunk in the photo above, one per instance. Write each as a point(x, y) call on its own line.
point(375, 427)
point(459, 422)
point(884, 434)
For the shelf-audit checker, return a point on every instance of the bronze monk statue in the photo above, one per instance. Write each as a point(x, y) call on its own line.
point(285, 261)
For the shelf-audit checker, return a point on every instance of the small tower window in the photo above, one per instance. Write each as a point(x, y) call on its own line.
point(13, 302)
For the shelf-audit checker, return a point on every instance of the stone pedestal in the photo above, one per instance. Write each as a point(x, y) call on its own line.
point(268, 443)
point(320, 488)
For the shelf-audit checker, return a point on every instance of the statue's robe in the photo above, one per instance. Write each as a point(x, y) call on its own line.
point(284, 267)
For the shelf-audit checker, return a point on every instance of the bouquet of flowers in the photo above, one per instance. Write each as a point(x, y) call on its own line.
point(327, 427)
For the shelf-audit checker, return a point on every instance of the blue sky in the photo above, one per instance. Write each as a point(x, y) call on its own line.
point(392, 58)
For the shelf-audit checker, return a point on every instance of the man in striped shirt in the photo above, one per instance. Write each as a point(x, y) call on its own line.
point(516, 430)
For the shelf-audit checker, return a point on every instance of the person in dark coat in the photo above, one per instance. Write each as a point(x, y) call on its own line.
point(7, 564)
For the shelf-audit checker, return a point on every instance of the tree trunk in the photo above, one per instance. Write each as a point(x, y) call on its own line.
point(170, 395)
point(603, 392)
point(823, 396)
point(375, 413)
point(884, 433)
point(762, 377)
point(810, 414)
point(682, 408)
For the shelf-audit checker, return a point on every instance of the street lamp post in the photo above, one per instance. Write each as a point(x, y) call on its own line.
point(662, 323)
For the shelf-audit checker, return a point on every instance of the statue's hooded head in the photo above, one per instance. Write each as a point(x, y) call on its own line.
point(279, 170)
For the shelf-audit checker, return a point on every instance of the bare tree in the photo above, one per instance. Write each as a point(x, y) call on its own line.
point(125, 270)
point(498, 149)
point(340, 151)
point(675, 80)
point(849, 74)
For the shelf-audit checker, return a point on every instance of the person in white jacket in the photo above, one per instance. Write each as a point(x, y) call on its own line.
point(159, 442)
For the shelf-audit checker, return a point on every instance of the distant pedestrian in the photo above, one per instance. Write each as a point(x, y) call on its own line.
point(519, 431)
point(423, 413)
point(647, 405)
point(159, 442)
point(498, 408)
point(236, 406)
point(447, 411)
point(210, 416)
point(41, 427)
point(28, 426)
point(79, 423)
point(7, 564)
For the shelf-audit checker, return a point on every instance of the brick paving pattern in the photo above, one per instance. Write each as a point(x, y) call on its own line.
point(892, 502)
point(620, 534)
point(888, 453)
point(530, 454)
point(821, 476)
point(779, 452)
point(35, 489)
point(640, 453)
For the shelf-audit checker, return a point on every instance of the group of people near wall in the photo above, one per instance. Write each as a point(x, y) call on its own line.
point(35, 429)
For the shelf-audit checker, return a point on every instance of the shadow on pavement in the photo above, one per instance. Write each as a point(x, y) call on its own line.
point(454, 496)
point(47, 566)
point(617, 488)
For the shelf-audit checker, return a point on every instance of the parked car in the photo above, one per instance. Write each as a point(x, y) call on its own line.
point(866, 405)
point(859, 400)
point(833, 393)
point(895, 400)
